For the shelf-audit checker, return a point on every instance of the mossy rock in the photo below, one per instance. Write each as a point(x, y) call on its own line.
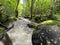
point(47, 33)
point(50, 22)
point(2, 31)
point(4, 37)
point(31, 25)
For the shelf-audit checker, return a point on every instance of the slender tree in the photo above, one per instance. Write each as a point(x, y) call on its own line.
point(32, 6)
point(17, 8)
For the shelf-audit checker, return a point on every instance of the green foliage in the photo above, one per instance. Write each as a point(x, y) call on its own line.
point(2, 31)
point(7, 10)
point(57, 15)
point(41, 10)
point(26, 8)
point(20, 9)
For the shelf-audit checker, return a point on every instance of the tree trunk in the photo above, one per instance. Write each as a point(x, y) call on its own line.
point(16, 9)
point(31, 9)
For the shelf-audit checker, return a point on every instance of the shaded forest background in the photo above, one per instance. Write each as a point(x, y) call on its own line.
point(35, 10)
point(40, 10)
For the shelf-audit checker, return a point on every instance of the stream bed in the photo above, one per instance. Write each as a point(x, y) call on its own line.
point(21, 34)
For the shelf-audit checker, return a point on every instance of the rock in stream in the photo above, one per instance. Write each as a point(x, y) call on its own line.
point(21, 34)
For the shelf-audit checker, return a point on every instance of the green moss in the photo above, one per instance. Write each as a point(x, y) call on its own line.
point(6, 39)
point(50, 22)
point(32, 25)
point(2, 31)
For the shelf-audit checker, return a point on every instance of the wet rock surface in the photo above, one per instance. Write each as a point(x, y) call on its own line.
point(46, 35)
point(21, 34)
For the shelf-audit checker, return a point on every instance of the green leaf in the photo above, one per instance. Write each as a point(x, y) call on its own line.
point(57, 16)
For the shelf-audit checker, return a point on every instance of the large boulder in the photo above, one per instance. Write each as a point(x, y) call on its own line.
point(46, 34)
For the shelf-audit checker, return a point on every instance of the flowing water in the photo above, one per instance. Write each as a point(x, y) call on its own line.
point(21, 34)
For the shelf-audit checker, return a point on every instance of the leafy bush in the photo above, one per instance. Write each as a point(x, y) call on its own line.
point(7, 10)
